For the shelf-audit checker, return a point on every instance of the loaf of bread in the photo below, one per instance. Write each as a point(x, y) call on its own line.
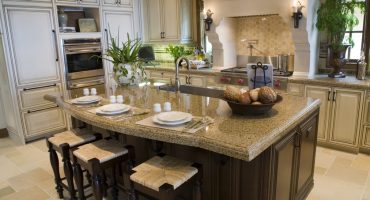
point(267, 95)
point(254, 94)
point(232, 93)
point(245, 98)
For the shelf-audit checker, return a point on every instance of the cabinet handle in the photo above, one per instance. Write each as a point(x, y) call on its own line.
point(56, 45)
point(164, 34)
point(334, 96)
point(106, 37)
point(119, 1)
point(329, 99)
point(161, 35)
point(46, 86)
point(32, 111)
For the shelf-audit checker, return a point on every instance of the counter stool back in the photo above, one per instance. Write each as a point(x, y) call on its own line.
point(62, 143)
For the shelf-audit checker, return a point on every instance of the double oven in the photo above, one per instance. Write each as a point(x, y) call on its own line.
point(83, 65)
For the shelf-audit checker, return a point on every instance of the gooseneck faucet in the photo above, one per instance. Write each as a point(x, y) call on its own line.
point(178, 63)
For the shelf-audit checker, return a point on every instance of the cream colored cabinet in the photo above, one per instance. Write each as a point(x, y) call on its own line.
point(346, 116)
point(33, 45)
point(31, 98)
point(365, 138)
point(295, 89)
point(324, 94)
point(365, 142)
point(118, 3)
point(162, 20)
point(38, 122)
point(340, 115)
point(82, 2)
point(198, 81)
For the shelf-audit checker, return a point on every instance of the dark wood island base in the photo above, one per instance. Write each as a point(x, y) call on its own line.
point(283, 171)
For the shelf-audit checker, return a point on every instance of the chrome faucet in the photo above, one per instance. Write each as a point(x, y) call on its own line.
point(178, 63)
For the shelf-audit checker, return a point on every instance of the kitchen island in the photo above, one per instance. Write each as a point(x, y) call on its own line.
point(244, 157)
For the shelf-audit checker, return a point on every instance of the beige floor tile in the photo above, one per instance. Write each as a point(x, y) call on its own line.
point(362, 162)
point(32, 193)
point(324, 160)
point(320, 170)
point(36, 177)
point(342, 170)
point(8, 168)
point(41, 145)
point(327, 188)
point(6, 191)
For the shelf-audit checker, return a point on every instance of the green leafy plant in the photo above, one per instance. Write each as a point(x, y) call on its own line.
point(177, 51)
point(337, 16)
point(127, 53)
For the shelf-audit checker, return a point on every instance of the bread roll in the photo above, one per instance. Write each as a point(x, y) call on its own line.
point(232, 93)
point(254, 94)
point(245, 98)
point(267, 95)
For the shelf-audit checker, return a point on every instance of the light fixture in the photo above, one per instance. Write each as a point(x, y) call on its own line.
point(297, 13)
point(208, 21)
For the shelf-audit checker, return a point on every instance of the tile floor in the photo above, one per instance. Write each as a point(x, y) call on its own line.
point(25, 174)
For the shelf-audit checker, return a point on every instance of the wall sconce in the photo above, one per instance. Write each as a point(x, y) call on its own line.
point(208, 21)
point(297, 13)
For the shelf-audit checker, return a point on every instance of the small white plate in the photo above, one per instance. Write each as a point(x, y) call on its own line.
point(173, 116)
point(86, 100)
point(101, 112)
point(157, 121)
point(109, 108)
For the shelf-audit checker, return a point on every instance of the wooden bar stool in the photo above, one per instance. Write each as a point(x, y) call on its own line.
point(162, 176)
point(62, 143)
point(96, 158)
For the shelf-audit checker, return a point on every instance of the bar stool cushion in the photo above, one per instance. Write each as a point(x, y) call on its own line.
point(72, 138)
point(160, 170)
point(103, 150)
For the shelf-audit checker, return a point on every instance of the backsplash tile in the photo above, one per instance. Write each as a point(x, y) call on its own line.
point(272, 34)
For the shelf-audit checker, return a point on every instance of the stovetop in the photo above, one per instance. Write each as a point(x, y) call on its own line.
point(243, 70)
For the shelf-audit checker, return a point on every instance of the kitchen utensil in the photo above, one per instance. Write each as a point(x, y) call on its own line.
point(251, 109)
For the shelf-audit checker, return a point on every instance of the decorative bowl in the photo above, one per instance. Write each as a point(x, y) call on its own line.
point(251, 109)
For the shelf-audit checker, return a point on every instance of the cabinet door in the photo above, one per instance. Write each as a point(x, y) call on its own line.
point(34, 97)
point(33, 44)
point(307, 151)
point(187, 21)
point(346, 116)
point(170, 18)
point(153, 20)
point(284, 155)
point(117, 24)
point(96, 2)
point(324, 94)
point(296, 89)
point(43, 121)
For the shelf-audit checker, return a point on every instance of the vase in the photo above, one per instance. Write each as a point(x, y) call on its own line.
point(132, 77)
point(62, 18)
point(337, 59)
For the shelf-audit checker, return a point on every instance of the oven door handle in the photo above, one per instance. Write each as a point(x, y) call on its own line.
point(78, 51)
point(86, 84)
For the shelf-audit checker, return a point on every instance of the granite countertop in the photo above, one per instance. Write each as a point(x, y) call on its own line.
point(242, 137)
point(349, 81)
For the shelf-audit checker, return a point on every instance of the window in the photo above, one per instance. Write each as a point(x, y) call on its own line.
point(356, 34)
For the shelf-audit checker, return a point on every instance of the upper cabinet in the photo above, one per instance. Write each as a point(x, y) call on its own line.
point(118, 3)
point(32, 28)
point(80, 2)
point(168, 20)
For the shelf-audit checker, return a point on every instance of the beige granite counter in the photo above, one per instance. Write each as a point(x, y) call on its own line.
point(241, 137)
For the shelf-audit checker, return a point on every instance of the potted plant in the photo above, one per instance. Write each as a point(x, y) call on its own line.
point(335, 17)
point(127, 66)
point(177, 51)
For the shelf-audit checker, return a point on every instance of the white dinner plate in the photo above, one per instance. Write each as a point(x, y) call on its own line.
point(173, 116)
point(86, 100)
point(157, 121)
point(109, 108)
point(101, 112)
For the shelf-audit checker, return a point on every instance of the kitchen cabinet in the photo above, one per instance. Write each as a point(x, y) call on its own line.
point(34, 97)
point(36, 62)
point(295, 89)
point(162, 20)
point(38, 122)
point(198, 81)
point(118, 3)
point(340, 116)
point(79, 2)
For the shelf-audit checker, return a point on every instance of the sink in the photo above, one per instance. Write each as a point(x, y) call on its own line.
point(194, 90)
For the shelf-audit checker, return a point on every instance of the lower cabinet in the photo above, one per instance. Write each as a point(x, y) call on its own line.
point(39, 122)
point(294, 158)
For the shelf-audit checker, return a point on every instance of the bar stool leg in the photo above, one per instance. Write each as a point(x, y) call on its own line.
point(166, 192)
point(197, 185)
point(97, 184)
point(114, 191)
point(68, 170)
point(78, 175)
point(55, 166)
point(128, 172)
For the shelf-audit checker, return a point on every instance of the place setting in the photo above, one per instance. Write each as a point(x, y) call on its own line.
point(175, 120)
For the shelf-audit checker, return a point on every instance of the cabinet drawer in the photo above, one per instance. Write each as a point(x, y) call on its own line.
point(125, 3)
point(43, 121)
point(366, 137)
point(366, 119)
point(34, 97)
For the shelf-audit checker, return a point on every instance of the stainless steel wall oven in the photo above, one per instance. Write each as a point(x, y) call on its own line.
point(83, 65)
